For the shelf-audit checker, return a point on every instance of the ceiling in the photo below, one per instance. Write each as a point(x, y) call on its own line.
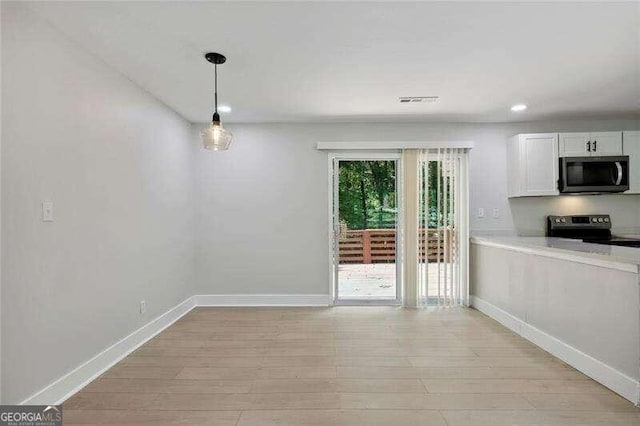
point(347, 61)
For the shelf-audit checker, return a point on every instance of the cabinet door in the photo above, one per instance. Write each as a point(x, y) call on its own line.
point(606, 143)
point(631, 147)
point(574, 144)
point(539, 163)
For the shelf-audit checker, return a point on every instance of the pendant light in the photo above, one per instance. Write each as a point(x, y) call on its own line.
point(214, 137)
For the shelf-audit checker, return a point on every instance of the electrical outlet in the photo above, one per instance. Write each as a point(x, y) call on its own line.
point(481, 212)
point(47, 211)
point(496, 213)
point(143, 307)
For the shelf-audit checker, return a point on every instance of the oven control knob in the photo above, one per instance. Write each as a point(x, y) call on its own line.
point(594, 219)
point(557, 220)
point(606, 219)
point(600, 220)
point(563, 220)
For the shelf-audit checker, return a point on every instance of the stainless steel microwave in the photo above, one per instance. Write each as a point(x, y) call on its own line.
point(594, 174)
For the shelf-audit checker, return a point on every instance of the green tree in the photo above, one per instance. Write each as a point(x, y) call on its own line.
point(367, 194)
point(383, 179)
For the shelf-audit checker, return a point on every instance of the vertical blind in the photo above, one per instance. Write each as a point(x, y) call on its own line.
point(437, 227)
point(442, 218)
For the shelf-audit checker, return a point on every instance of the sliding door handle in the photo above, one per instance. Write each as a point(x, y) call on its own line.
point(595, 146)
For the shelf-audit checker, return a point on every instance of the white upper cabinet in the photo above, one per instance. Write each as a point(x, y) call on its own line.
point(631, 147)
point(575, 144)
point(532, 165)
point(590, 144)
point(606, 143)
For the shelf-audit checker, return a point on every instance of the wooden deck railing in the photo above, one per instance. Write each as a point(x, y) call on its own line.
point(379, 245)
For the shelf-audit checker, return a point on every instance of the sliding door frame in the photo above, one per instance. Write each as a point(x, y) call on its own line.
point(333, 215)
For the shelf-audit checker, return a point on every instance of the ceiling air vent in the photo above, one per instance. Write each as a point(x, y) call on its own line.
point(417, 99)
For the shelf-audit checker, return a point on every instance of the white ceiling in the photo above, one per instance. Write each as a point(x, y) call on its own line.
point(318, 61)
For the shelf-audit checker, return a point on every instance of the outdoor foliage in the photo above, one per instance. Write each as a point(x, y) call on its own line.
point(367, 194)
point(435, 213)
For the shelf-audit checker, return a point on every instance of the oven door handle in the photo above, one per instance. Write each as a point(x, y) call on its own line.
point(619, 179)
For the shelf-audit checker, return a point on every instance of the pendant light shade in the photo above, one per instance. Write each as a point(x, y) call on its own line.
point(215, 137)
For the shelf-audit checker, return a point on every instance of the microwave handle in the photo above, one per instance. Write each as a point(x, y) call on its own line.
point(619, 179)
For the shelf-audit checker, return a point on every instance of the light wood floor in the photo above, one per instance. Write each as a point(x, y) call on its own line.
point(344, 366)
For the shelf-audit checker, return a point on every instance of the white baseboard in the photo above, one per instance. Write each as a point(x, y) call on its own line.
point(262, 300)
point(608, 376)
point(61, 389)
point(58, 391)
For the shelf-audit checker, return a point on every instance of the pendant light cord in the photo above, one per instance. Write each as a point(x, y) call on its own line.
point(215, 96)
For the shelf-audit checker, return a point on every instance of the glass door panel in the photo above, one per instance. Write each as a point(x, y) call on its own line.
point(366, 230)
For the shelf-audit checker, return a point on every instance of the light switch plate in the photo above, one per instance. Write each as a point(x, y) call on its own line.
point(496, 213)
point(47, 211)
point(481, 212)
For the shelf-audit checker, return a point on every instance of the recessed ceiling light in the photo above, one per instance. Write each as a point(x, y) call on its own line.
point(518, 108)
point(224, 108)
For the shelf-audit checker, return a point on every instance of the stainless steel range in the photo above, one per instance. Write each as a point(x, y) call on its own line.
point(588, 228)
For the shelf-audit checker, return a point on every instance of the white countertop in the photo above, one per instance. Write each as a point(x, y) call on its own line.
point(616, 257)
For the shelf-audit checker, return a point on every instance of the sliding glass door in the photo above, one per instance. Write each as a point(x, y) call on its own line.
point(399, 227)
point(366, 218)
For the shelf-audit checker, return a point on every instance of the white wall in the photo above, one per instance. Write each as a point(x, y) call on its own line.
point(118, 166)
point(262, 206)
